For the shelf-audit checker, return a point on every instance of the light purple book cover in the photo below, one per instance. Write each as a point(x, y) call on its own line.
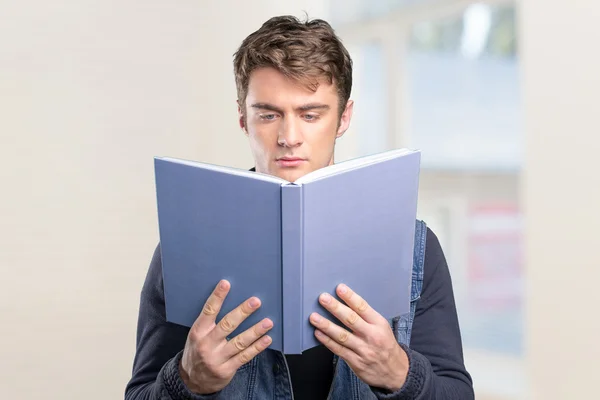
point(287, 242)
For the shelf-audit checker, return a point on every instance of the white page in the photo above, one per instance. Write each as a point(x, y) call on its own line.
point(351, 164)
point(228, 170)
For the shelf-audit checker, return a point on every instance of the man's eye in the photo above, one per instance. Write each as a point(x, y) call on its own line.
point(268, 117)
point(311, 117)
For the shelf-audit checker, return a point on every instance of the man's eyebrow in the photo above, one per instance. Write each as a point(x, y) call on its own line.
point(267, 106)
point(305, 107)
point(313, 106)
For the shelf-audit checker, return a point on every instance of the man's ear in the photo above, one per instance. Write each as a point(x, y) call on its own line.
point(345, 119)
point(241, 118)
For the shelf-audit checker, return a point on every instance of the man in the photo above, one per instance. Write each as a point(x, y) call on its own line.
point(293, 81)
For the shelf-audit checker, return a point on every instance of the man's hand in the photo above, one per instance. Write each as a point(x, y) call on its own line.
point(209, 360)
point(370, 348)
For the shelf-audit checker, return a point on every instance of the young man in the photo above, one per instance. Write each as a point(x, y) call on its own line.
point(294, 80)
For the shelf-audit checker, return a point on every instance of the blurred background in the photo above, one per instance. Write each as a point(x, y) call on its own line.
point(501, 96)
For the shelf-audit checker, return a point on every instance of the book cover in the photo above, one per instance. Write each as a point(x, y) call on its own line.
point(285, 242)
point(216, 225)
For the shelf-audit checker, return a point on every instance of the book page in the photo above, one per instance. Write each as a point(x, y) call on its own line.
point(351, 164)
point(227, 170)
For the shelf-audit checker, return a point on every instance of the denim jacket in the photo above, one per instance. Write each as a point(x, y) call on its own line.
point(266, 376)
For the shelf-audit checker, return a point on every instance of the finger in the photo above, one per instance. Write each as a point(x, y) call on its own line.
point(246, 338)
point(234, 318)
point(247, 355)
point(347, 316)
point(335, 332)
point(212, 307)
point(358, 304)
point(336, 348)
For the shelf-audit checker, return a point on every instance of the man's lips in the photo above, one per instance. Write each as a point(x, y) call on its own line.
point(290, 161)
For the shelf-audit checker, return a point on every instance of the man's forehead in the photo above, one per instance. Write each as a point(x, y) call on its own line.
point(274, 87)
point(266, 78)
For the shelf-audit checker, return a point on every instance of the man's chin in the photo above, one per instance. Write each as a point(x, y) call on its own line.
point(290, 174)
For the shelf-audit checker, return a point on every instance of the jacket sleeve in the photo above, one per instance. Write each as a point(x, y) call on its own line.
point(436, 365)
point(159, 346)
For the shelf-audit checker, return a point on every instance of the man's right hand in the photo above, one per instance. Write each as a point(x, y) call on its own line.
point(209, 360)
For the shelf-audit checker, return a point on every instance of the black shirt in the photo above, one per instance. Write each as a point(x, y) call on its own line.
point(436, 371)
point(311, 373)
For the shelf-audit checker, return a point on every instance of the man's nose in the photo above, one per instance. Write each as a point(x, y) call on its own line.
point(290, 134)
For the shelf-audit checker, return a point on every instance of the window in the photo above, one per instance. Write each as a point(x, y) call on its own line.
point(450, 71)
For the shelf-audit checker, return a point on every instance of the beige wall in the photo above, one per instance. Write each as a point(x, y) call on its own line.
point(561, 189)
point(90, 91)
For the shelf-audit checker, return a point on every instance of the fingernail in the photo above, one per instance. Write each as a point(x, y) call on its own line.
point(325, 298)
point(253, 302)
point(267, 324)
point(343, 289)
point(266, 339)
point(223, 285)
point(319, 333)
point(316, 318)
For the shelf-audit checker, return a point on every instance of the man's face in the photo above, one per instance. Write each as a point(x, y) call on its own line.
point(292, 130)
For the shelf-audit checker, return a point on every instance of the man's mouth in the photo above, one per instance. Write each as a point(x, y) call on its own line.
point(288, 162)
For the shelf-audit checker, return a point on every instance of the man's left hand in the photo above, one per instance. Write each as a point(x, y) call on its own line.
point(369, 348)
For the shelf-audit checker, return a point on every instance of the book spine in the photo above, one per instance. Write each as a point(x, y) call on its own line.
point(292, 264)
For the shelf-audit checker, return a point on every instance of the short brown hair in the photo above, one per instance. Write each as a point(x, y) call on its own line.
point(305, 51)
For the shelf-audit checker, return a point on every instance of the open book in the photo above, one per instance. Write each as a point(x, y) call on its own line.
point(287, 242)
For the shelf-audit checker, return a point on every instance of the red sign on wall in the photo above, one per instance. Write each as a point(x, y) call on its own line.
point(495, 274)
